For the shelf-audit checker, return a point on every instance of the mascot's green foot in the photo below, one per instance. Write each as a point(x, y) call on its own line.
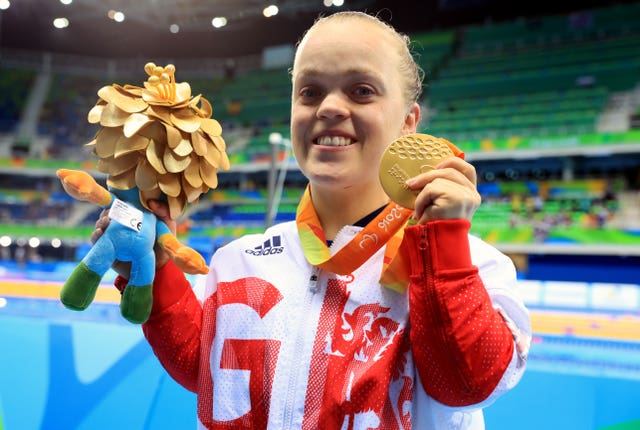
point(80, 288)
point(136, 303)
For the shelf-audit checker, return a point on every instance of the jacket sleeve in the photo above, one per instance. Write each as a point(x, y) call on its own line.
point(174, 326)
point(461, 342)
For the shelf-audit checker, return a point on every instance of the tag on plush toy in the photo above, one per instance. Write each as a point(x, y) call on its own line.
point(126, 215)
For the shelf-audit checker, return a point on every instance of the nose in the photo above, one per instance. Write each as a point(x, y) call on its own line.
point(332, 106)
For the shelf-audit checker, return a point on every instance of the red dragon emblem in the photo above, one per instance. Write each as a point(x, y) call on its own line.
point(362, 368)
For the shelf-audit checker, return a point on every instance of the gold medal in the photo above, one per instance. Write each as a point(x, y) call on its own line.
point(406, 157)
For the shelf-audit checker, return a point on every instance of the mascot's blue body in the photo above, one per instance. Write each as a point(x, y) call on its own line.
point(130, 237)
point(139, 235)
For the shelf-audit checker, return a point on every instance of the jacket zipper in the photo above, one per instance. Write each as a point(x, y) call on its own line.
point(310, 292)
point(313, 280)
point(423, 246)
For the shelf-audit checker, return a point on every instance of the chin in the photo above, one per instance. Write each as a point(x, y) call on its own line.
point(336, 182)
point(326, 180)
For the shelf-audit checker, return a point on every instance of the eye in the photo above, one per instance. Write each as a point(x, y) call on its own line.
point(363, 91)
point(308, 92)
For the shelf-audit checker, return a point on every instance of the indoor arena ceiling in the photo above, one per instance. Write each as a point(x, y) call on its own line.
point(173, 27)
point(148, 24)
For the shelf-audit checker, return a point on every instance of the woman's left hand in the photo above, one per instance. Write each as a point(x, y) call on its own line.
point(447, 192)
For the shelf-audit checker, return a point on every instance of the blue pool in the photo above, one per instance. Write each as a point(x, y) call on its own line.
point(92, 370)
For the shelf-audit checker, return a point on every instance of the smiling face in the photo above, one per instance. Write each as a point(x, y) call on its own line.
point(349, 102)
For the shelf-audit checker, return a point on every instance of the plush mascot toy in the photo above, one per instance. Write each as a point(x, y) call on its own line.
point(155, 142)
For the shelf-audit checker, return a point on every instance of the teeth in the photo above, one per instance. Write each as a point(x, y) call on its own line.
point(333, 141)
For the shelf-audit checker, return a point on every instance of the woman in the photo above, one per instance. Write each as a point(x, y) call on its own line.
point(287, 332)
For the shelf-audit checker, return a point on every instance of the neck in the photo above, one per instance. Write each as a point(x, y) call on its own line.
point(337, 208)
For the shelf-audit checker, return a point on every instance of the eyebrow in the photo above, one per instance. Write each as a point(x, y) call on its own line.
point(354, 70)
point(311, 72)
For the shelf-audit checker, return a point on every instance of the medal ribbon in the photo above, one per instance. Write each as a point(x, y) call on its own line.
point(386, 228)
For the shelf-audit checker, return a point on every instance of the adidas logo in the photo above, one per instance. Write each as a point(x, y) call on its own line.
point(269, 247)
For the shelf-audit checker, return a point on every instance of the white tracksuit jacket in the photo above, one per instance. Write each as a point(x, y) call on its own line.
point(274, 343)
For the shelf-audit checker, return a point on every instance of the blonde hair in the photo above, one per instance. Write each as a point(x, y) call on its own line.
point(411, 73)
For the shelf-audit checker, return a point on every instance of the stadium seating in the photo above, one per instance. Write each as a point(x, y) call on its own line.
point(530, 84)
point(64, 115)
point(256, 98)
point(14, 87)
point(539, 77)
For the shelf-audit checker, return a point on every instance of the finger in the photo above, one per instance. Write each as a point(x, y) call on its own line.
point(100, 226)
point(455, 176)
point(102, 222)
point(122, 268)
point(436, 211)
point(459, 165)
point(96, 234)
point(160, 208)
point(427, 197)
point(444, 199)
point(453, 168)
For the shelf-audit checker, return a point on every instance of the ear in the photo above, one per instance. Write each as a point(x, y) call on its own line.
point(412, 119)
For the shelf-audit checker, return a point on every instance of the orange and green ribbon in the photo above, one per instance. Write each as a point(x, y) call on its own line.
point(387, 228)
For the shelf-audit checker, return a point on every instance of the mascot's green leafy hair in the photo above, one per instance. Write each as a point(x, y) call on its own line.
point(156, 142)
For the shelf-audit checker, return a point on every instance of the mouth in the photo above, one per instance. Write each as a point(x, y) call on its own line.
point(333, 141)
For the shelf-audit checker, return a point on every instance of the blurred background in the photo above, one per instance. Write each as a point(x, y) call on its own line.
point(543, 98)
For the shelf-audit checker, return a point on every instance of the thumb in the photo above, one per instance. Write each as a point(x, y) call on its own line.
point(160, 208)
